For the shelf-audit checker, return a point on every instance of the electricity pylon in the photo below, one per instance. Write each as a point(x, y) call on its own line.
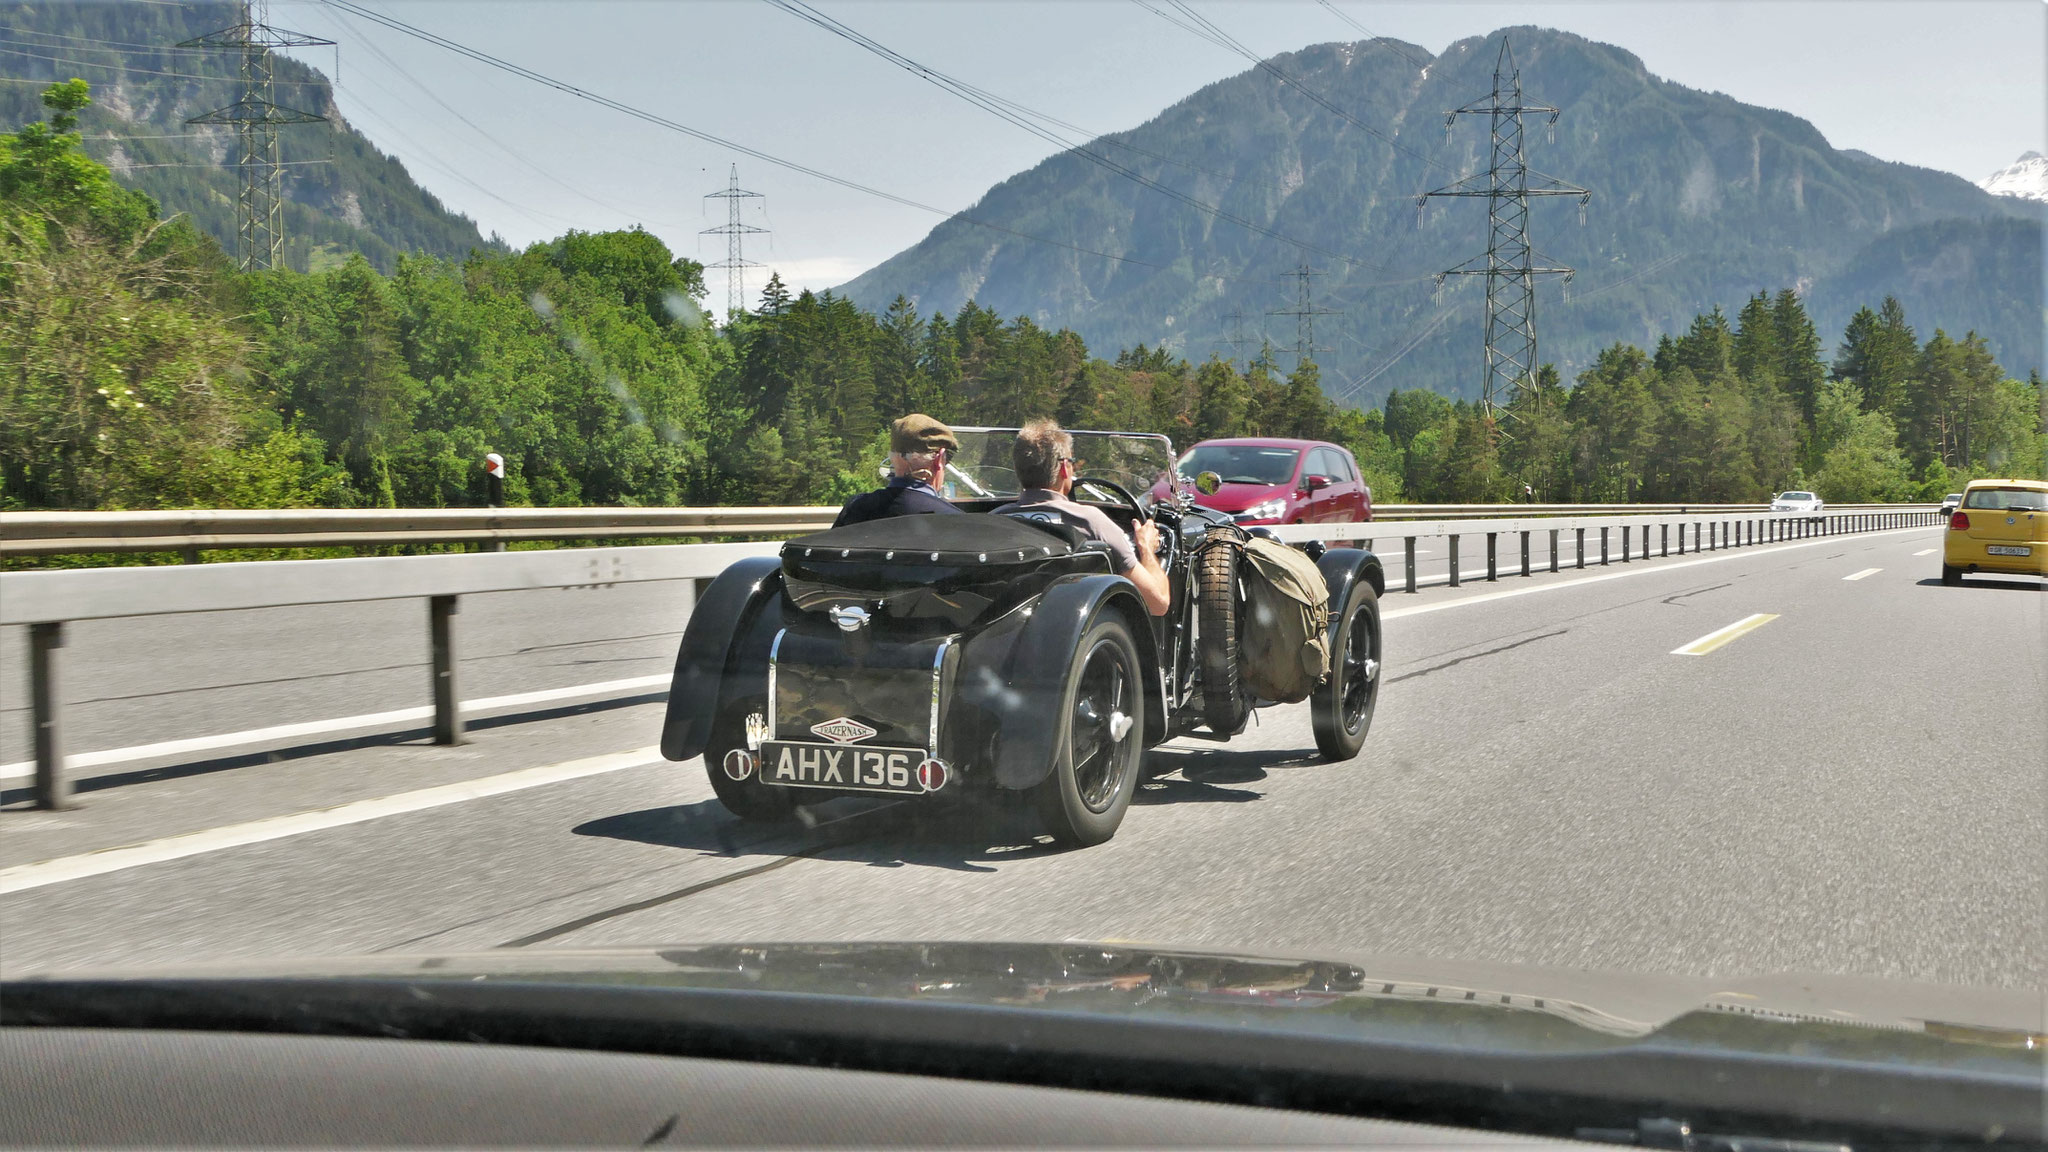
point(1304, 313)
point(259, 210)
point(1509, 264)
point(733, 230)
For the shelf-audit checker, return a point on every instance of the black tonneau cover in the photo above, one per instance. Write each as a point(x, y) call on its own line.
point(946, 540)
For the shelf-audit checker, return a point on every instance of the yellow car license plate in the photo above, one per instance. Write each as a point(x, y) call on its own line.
point(2007, 550)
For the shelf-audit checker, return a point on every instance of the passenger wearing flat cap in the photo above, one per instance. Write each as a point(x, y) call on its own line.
point(919, 448)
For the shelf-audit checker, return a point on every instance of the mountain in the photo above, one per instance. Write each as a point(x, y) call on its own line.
point(2026, 177)
point(342, 194)
point(1698, 200)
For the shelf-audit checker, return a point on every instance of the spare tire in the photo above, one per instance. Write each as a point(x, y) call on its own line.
point(1225, 704)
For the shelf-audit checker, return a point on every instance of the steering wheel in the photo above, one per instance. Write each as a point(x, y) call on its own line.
point(1168, 541)
point(1137, 509)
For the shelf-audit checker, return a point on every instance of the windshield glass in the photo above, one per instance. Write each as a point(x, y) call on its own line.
point(1137, 462)
point(408, 408)
point(2008, 499)
point(1241, 463)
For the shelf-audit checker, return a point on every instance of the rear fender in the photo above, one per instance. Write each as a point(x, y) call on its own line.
point(1343, 567)
point(1022, 697)
point(727, 611)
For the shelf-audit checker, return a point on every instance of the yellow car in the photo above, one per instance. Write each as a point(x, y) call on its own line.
point(2001, 526)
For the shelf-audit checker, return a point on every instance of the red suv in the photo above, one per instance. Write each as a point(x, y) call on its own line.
point(1280, 481)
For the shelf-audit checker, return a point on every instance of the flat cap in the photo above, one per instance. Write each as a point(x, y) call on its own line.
point(918, 432)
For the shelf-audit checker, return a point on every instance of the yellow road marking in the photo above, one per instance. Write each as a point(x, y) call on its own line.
point(1715, 639)
point(1862, 574)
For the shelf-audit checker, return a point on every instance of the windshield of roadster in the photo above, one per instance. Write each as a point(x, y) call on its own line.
point(1133, 460)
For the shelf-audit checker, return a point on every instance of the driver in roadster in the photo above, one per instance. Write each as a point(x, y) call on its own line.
point(1044, 459)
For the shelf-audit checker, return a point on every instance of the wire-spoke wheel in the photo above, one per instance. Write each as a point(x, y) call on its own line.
point(1101, 739)
point(1341, 709)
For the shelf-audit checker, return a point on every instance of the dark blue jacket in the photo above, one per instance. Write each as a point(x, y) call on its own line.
point(903, 497)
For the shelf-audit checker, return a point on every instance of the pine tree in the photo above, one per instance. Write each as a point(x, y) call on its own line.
point(1880, 354)
point(1800, 369)
point(1225, 400)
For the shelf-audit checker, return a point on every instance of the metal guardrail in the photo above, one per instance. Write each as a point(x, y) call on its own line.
point(191, 532)
point(45, 601)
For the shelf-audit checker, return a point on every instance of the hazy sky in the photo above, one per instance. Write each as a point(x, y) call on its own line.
point(1960, 85)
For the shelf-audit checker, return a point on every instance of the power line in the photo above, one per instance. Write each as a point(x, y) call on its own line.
point(1375, 38)
point(345, 24)
point(1028, 120)
point(94, 40)
point(1509, 262)
point(708, 138)
point(1208, 30)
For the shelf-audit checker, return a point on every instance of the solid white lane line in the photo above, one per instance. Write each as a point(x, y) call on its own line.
point(320, 727)
point(1394, 580)
point(23, 877)
point(1720, 636)
point(1927, 552)
point(1862, 574)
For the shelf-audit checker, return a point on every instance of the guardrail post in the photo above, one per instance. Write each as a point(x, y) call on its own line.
point(1582, 547)
point(1408, 545)
point(441, 612)
point(1525, 552)
point(1664, 540)
point(1626, 550)
point(1454, 559)
point(1553, 549)
point(1603, 544)
point(52, 789)
point(188, 555)
point(1493, 555)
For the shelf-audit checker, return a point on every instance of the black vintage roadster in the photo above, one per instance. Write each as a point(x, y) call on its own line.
point(930, 655)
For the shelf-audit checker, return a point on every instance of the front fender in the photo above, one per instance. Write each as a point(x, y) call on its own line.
point(1343, 567)
point(1023, 699)
point(720, 617)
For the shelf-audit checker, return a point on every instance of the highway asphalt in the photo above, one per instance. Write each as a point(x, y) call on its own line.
point(1854, 785)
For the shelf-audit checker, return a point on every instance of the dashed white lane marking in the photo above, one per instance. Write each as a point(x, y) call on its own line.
point(23, 877)
point(1927, 552)
point(1862, 574)
point(1720, 636)
point(1394, 580)
point(321, 727)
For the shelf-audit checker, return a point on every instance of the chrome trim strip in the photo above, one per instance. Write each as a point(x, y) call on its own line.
point(938, 666)
point(774, 651)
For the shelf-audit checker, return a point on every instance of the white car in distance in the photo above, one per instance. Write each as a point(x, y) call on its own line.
point(1806, 504)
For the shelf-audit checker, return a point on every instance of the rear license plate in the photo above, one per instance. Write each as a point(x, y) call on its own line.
point(854, 767)
point(2007, 550)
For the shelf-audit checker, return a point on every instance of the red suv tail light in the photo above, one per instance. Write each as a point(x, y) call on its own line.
point(1959, 521)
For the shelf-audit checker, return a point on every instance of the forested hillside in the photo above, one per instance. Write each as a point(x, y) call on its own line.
point(342, 195)
point(1698, 200)
point(138, 369)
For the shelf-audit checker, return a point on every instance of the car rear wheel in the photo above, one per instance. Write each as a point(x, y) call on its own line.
point(1341, 709)
point(1101, 739)
point(748, 799)
point(1951, 575)
point(1225, 704)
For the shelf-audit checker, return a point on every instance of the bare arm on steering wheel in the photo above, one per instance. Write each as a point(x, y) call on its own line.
point(1150, 575)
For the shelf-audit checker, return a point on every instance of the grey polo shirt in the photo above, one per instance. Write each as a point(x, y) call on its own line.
point(1097, 523)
